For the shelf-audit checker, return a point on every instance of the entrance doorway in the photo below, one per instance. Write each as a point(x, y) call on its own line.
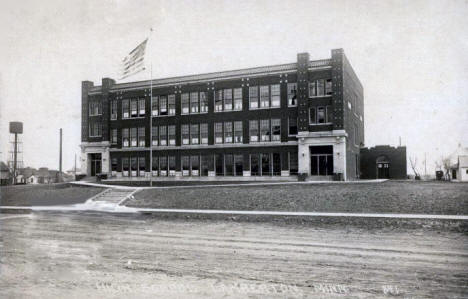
point(95, 163)
point(383, 167)
point(321, 160)
point(383, 170)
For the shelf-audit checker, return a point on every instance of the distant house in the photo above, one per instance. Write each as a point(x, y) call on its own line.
point(5, 174)
point(459, 164)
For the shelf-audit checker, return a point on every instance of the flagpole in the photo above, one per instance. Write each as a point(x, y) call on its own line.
point(151, 115)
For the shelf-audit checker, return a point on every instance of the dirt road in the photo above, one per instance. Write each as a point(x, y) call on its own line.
point(98, 255)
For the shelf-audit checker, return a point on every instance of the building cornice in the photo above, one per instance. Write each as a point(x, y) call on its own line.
point(215, 76)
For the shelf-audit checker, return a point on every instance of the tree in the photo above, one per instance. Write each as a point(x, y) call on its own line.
point(414, 162)
point(446, 165)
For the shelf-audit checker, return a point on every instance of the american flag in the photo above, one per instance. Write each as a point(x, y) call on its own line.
point(134, 62)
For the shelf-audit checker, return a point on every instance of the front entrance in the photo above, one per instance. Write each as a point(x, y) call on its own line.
point(383, 170)
point(321, 160)
point(95, 163)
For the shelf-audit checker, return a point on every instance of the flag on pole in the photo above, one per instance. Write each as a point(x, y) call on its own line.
point(134, 62)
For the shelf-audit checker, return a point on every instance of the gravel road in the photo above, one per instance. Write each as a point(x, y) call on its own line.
point(97, 255)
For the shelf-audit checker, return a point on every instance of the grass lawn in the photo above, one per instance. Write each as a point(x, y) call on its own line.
point(45, 195)
point(387, 197)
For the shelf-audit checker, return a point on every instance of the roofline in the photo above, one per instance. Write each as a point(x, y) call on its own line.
point(216, 76)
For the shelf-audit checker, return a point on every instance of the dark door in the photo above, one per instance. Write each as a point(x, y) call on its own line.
point(383, 170)
point(321, 160)
point(95, 164)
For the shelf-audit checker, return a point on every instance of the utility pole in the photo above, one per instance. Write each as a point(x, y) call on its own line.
point(425, 169)
point(399, 137)
point(74, 168)
point(60, 159)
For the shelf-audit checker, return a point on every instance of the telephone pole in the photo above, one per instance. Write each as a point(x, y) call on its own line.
point(60, 158)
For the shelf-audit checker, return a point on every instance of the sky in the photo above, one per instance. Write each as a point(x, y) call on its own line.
point(409, 55)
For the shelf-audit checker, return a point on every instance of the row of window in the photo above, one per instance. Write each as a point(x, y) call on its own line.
point(264, 96)
point(261, 164)
point(263, 130)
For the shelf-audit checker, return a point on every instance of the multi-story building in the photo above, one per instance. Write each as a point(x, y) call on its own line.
point(281, 120)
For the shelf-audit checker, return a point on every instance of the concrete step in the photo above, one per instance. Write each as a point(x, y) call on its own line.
point(114, 196)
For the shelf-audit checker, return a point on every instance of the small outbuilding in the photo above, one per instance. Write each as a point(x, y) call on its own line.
point(383, 162)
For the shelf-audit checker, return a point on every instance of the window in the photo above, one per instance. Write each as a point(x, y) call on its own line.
point(320, 88)
point(227, 99)
point(172, 165)
point(125, 109)
point(185, 133)
point(95, 108)
point(238, 99)
point(238, 165)
point(155, 106)
point(163, 166)
point(276, 129)
point(141, 166)
point(185, 161)
point(133, 137)
point(95, 129)
point(266, 167)
point(134, 108)
point(155, 166)
point(195, 165)
point(219, 164)
point(163, 135)
point(194, 134)
point(292, 94)
point(328, 87)
point(321, 115)
point(218, 101)
point(229, 164)
point(163, 105)
point(125, 137)
point(264, 96)
point(204, 133)
point(253, 97)
point(238, 133)
point(218, 132)
point(113, 110)
point(254, 164)
point(228, 132)
point(203, 102)
point(312, 116)
point(141, 136)
point(253, 130)
point(194, 102)
point(265, 130)
point(125, 166)
point(185, 103)
point(141, 107)
point(206, 164)
point(113, 136)
point(134, 165)
point(154, 136)
point(276, 164)
point(292, 122)
point(171, 104)
point(114, 165)
point(172, 134)
point(293, 163)
point(275, 95)
point(356, 136)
